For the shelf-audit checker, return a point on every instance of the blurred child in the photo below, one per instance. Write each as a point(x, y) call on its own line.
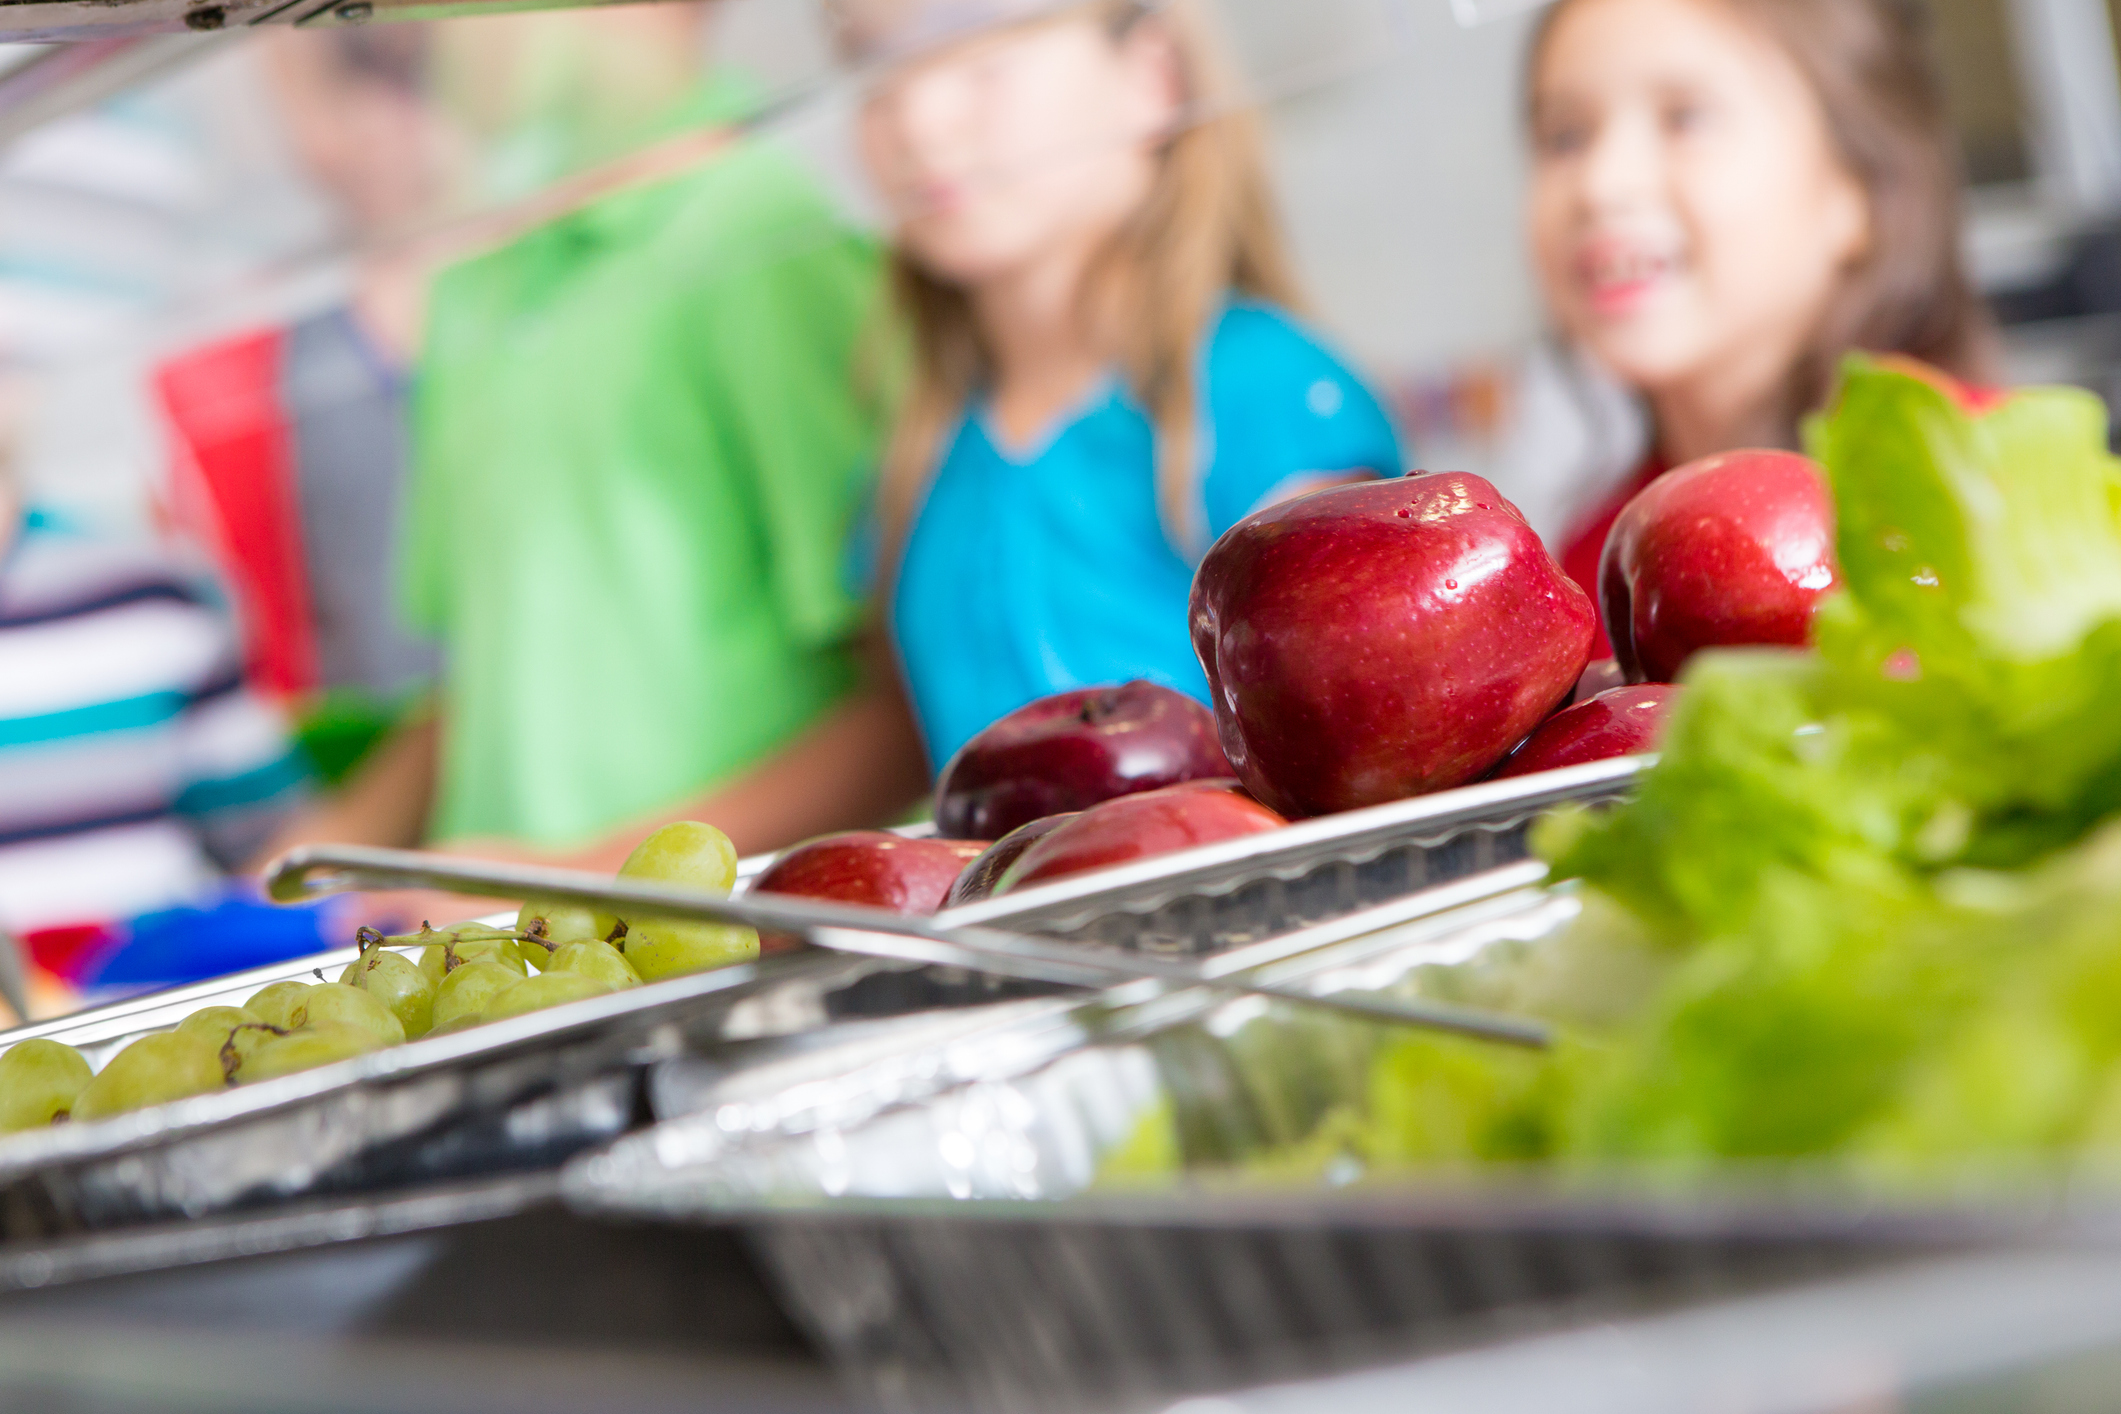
point(641, 433)
point(135, 767)
point(1726, 196)
point(290, 441)
point(1108, 373)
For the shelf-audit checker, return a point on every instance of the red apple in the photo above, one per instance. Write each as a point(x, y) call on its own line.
point(1072, 750)
point(1604, 673)
point(1139, 826)
point(1619, 722)
point(871, 867)
point(984, 874)
point(1381, 640)
point(1734, 548)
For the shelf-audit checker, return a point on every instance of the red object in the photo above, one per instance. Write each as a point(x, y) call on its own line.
point(72, 951)
point(1141, 826)
point(1379, 641)
point(1584, 543)
point(233, 487)
point(1603, 674)
point(871, 867)
point(1072, 750)
point(984, 874)
point(1618, 722)
point(1732, 549)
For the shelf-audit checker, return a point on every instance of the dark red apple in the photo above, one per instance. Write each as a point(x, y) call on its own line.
point(984, 874)
point(1618, 722)
point(1381, 640)
point(1734, 548)
point(1139, 826)
point(1604, 673)
point(1070, 751)
point(871, 867)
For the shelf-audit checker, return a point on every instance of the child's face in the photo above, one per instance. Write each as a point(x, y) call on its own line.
point(1003, 149)
point(1687, 211)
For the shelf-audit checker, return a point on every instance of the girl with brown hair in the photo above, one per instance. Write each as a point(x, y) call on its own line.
point(1106, 372)
point(1726, 196)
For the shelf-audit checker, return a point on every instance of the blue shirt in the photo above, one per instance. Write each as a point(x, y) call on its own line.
point(1031, 573)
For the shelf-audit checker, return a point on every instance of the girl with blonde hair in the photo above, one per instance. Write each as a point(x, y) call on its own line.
point(1107, 372)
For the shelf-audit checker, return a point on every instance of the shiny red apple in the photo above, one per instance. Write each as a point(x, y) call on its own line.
point(871, 867)
point(1618, 722)
point(1139, 826)
point(1381, 640)
point(1072, 750)
point(1734, 548)
point(983, 875)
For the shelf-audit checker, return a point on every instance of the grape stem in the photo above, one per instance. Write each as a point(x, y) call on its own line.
point(229, 1059)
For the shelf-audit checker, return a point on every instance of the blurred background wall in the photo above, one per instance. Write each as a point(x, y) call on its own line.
point(177, 210)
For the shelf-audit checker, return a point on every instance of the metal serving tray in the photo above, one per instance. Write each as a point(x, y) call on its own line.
point(740, 1031)
point(512, 1096)
point(950, 1242)
point(522, 1097)
point(1221, 895)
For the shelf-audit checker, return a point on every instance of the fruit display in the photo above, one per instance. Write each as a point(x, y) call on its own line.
point(872, 867)
point(1866, 910)
point(398, 989)
point(1621, 721)
point(1069, 751)
point(1732, 549)
point(1382, 640)
point(1138, 827)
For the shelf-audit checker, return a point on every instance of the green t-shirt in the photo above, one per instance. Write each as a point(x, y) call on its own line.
point(641, 435)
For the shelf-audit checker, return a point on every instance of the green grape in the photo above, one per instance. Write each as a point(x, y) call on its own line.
point(280, 1005)
point(214, 1023)
point(39, 1081)
point(470, 942)
point(594, 959)
point(537, 993)
point(396, 981)
point(333, 1001)
point(164, 1066)
point(233, 1031)
point(689, 853)
point(659, 948)
point(319, 1043)
point(558, 924)
point(465, 992)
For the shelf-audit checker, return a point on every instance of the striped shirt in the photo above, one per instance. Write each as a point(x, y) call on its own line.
point(135, 767)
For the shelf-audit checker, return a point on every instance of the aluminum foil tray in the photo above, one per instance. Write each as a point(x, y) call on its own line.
point(952, 1244)
point(1223, 895)
point(511, 1097)
point(522, 1097)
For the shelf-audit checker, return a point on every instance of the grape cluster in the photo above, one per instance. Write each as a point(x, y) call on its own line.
point(464, 975)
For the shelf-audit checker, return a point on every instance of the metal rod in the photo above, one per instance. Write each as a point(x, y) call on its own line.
point(846, 928)
point(14, 977)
